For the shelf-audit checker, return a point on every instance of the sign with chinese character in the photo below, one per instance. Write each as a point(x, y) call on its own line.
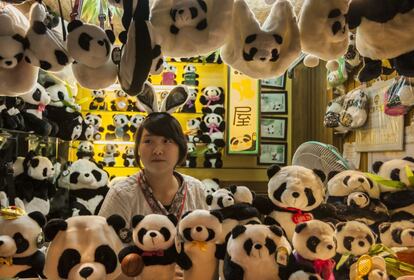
point(243, 114)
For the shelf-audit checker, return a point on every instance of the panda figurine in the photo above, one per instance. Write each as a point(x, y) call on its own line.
point(210, 185)
point(198, 231)
point(314, 246)
point(21, 237)
point(399, 201)
point(154, 237)
point(212, 127)
point(256, 252)
point(85, 150)
point(84, 247)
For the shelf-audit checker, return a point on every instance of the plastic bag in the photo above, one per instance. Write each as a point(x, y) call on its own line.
point(399, 97)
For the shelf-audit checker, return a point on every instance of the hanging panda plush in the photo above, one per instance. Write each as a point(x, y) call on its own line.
point(266, 50)
point(84, 247)
point(198, 231)
point(21, 237)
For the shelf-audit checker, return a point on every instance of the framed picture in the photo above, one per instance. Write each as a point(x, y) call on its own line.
point(278, 82)
point(272, 153)
point(273, 128)
point(274, 102)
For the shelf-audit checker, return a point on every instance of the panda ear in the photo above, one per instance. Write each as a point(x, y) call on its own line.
point(24, 41)
point(34, 162)
point(74, 24)
point(111, 36)
point(376, 166)
point(320, 174)
point(38, 217)
point(136, 219)
point(340, 226)
point(116, 221)
point(331, 225)
point(209, 199)
point(185, 214)
point(202, 90)
point(53, 227)
point(300, 227)
point(276, 230)
point(176, 98)
point(148, 98)
point(221, 90)
point(173, 219)
point(217, 214)
point(237, 231)
point(272, 170)
point(232, 188)
point(332, 174)
point(384, 227)
point(409, 159)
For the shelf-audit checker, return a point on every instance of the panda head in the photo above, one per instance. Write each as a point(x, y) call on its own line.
point(189, 68)
point(129, 151)
point(213, 119)
point(242, 194)
point(191, 148)
point(38, 167)
point(93, 119)
point(83, 174)
point(192, 94)
point(220, 199)
point(200, 225)
point(397, 234)
point(58, 93)
point(194, 123)
point(154, 232)
point(89, 44)
point(37, 96)
point(296, 186)
point(212, 91)
point(241, 143)
point(84, 247)
point(169, 68)
point(315, 240)
point(256, 241)
point(120, 94)
point(354, 238)
point(99, 95)
point(137, 120)
point(86, 147)
point(210, 185)
point(22, 236)
point(350, 181)
point(110, 148)
point(395, 170)
point(262, 47)
point(120, 120)
point(11, 50)
point(188, 14)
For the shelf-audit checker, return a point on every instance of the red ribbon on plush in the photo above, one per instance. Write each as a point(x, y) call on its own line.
point(212, 99)
point(159, 253)
point(41, 107)
point(213, 128)
point(324, 268)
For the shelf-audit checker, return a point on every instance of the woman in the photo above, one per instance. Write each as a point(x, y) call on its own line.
point(160, 145)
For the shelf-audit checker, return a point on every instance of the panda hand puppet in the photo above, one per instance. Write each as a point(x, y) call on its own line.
point(141, 50)
point(262, 51)
point(34, 186)
point(323, 30)
point(191, 27)
point(16, 75)
point(21, 237)
point(256, 252)
point(84, 247)
point(91, 48)
point(154, 237)
point(52, 58)
point(198, 231)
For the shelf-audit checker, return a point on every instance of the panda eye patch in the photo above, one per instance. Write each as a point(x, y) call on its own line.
point(21, 243)
point(166, 233)
point(68, 259)
point(312, 243)
point(106, 256)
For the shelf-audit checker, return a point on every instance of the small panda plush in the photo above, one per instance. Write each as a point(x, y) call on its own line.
point(189, 106)
point(60, 96)
point(169, 75)
point(121, 101)
point(88, 131)
point(314, 246)
point(110, 152)
point(154, 237)
point(219, 199)
point(21, 237)
point(190, 76)
point(242, 194)
point(210, 185)
point(191, 158)
point(399, 201)
point(193, 131)
point(212, 95)
point(397, 233)
point(34, 185)
point(198, 231)
point(212, 157)
point(129, 157)
point(84, 247)
point(256, 252)
point(10, 113)
point(96, 121)
point(119, 128)
point(212, 127)
point(98, 100)
point(85, 150)
point(135, 121)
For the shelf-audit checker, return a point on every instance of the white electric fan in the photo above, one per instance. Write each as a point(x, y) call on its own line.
point(316, 155)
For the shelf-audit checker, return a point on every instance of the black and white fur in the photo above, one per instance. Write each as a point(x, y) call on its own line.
point(110, 152)
point(220, 199)
point(210, 185)
point(397, 234)
point(129, 157)
point(85, 150)
point(96, 121)
point(119, 128)
point(189, 16)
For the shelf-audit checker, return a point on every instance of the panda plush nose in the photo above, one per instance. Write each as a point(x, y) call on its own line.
point(153, 234)
point(86, 271)
point(263, 58)
point(180, 12)
point(295, 194)
point(87, 175)
point(199, 229)
point(258, 246)
point(8, 62)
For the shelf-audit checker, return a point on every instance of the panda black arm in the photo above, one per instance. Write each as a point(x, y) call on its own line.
point(232, 271)
point(129, 250)
point(101, 129)
point(51, 189)
point(399, 199)
point(36, 261)
point(222, 126)
point(327, 212)
point(111, 127)
point(203, 126)
point(203, 100)
point(263, 204)
point(183, 260)
point(220, 251)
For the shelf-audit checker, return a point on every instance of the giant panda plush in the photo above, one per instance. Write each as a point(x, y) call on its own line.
point(84, 247)
point(154, 237)
point(21, 237)
point(219, 199)
point(399, 200)
point(256, 252)
point(198, 231)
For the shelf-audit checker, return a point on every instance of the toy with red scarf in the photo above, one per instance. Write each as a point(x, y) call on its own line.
point(154, 237)
point(295, 194)
point(212, 98)
point(314, 248)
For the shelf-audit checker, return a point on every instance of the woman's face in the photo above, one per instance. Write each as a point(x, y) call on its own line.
point(158, 154)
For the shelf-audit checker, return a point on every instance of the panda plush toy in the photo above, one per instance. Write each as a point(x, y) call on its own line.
point(212, 99)
point(219, 199)
point(21, 237)
point(119, 128)
point(86, 185)
point(98, 100)
point(121, 101)
point(169, 75)
point(135, 121)
point(212, 127)
point(210, 185)
point(34, 186)
point(96, 121)
point(212, 156)
point(85, 150)
point(356, 196)
point(399, 200)
point(60, 96)
point(256, 252)
point(193, 27)
point(91, 48)
point(262, 50)
point(191, 158)
point(242, 194)
point(129, 157)
point(110, 152)
point(189, 106)
point(314, 246)
point(197, 233)
point(397, 233)
point(154, 240)
point(84, 247)
point(193, 131)
point(190, 76)
point(10, 113)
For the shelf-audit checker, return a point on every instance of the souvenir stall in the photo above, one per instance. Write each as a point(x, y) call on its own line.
point(297, 117)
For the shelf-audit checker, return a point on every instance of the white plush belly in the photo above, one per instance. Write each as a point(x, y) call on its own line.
point(263, 269)
point(158, 272)
point(7, 271)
